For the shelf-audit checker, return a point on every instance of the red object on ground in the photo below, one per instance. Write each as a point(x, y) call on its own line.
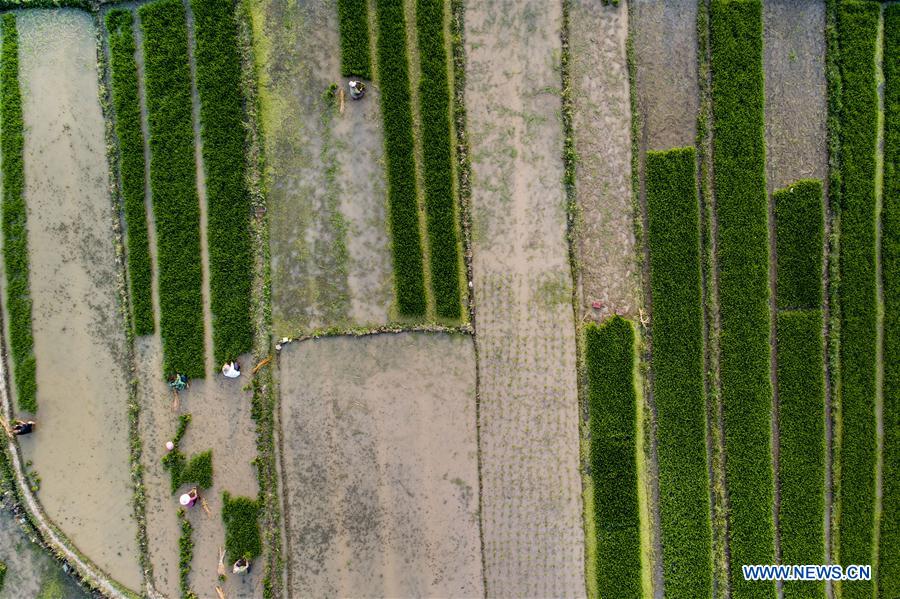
point(596, 305)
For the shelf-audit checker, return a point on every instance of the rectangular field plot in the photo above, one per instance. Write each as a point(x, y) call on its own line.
point(80, 447)
point(380, 466)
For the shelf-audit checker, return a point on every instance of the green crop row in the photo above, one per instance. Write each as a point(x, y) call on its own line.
point(798, 241)
point(437, 159)
point(354, 27)
point(15, 216)
point(612, 461)
point(240, 515)
point(197, 470)
point(126, 102)
point(678, 387)
point(889, 539)
point(801, 441)
point(743, 259)
point(174, 182)
point(227, 198)
point(857, 31)
point(185, 556)
point(393, 75)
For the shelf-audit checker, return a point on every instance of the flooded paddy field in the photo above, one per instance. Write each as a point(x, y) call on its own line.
point(608, 267)
point(331, 255)
point(796, 95)
point(525, 330)
point(80, 448)
point(380, 466)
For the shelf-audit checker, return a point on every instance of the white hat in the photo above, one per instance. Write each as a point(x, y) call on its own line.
point(170, 446)
point(185, 499)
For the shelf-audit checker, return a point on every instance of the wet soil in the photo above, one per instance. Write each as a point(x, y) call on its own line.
point(529, 433)
point(608, 268)
point(380, 466)
point(80, 448)
point(796, 96)
point(331, 256)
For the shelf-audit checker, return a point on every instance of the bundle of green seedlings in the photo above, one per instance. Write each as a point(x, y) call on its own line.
point(174, 183)
point(228, 200)
point(393, 74)
point(673, 214)
point(743, 263)
point(437, 159)
point(612, 407)
point(198, 470)
point(240, 516)
point(857, 33)
point(119, 24)
point(799, 232)
point(15, 227)
point(353, 17)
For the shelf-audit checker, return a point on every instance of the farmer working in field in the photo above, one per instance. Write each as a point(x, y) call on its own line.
point(357, 89)
point(231, 369)
point(241, 566)
point(22, 427)
point(178, 382)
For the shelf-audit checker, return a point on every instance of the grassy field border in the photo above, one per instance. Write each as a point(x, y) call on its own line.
point(678, 370)
point(743, 258)
point(15, 222)
point(857, 30)
point(174, 182)
point(127, 110)
point(228, 201)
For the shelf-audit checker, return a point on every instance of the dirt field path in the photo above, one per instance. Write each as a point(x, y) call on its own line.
point(80, 449)
point(331, 257)
point(531, 503)
point(380, 466)
point(608, 267)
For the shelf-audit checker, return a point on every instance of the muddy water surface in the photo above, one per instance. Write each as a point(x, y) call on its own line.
point(331, 261)
point(80, 448)
point(608, 267)
point(380, 466)
point(531, 503)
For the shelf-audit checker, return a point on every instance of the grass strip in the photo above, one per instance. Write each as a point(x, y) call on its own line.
point(15, 217)
point(678, 387)
point(798, 241)
point(240, 515)
point(437, 159)
point(743, 259)
point(801, 440)
point(612, 407)
point(353, 18)
point(228, 201)
point(126, 102)
point(857, 31)
point(393, 75)
point(174, 181)
point(889, 540)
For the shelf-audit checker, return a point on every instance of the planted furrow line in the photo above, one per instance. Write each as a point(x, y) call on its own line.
point(612, 407)
point(396, 110)
point(437, 160)
point(799, 230)
point(857, 31)
point(743, 258)
point(126, 102)
point(174, 184)
point(353, 16)
point(889, 539)
point(15, 227)
point(228, 201)
point(677, 362)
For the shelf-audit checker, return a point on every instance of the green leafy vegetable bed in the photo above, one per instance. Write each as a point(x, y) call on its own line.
point(240, 515)
point(612, 406)
point(227, 198)
point(173, 180)
point(743, 257)
point(678, 385)
point(15, 215)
